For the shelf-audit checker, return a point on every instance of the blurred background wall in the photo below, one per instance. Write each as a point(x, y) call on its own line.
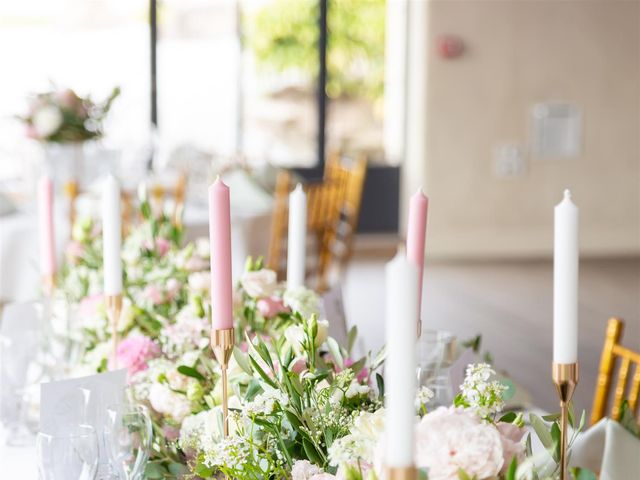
point(479, 112)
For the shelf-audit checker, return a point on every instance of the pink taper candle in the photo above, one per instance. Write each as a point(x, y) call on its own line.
point(220, 238)
point(47, 237)
point(416, 233)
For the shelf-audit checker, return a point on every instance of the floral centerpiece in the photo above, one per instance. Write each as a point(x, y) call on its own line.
point(302, 406)
point(61, 116)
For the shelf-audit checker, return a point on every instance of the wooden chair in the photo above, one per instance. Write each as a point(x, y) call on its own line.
point(611, 352)
point(333, 207)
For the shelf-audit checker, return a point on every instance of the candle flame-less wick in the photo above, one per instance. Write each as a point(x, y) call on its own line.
point(298, 187)
point(567, 193)
point(217, 178)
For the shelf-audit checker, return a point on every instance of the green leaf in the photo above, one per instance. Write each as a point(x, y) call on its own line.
point(358, 366)
point(552, 417)
point(511, 471)
point(261, 372)
point(555, 435)
point(541, 430)
point(178, 468)
point(380, 383)
point(510, 391)
point(508, 417)
point(190, 372)
point(155, 470)
point(312, 453)
point(293, 419)
point(351, 338)
point(203, 471)
point(241, 359)
point(462, 475)
point(582, 474)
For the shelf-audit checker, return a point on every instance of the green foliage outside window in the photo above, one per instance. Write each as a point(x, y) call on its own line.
point(283, 35)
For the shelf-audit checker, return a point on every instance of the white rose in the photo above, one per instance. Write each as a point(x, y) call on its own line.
point(355, 389)
point(200, 281)
point(260, 283)
point(202, 247)
point(47, 121)
point(302, 300)
point(450, 439)
point(166, 402)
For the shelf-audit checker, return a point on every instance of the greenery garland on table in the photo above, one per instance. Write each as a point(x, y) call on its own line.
point(302, 407)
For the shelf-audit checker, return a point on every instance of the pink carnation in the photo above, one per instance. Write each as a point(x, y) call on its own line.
point(134, 352)
point(271, 306)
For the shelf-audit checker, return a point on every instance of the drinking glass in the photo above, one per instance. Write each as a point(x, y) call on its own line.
point(436, 353)
point(20, 371)
point(69, 455)
point(128, 436)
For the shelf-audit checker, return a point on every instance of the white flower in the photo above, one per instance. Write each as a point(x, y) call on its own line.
point(361, 442)
point(295, 336)
point(304, 470)
point(47, 121)
point(127, 315)
point(202, 247)
point(451, 439)
point(355, 389)
point(302, 300)
point(195, 428)
point(323, 332)
point(167, 402)
point(260, 283)
point(423, 396)
point(200, 281)
point(265, 403)
point(481, 395)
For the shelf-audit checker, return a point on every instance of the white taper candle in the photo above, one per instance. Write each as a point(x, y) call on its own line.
point(401, 311)
point(111, 236)
point(296, 246)
point(565, 281)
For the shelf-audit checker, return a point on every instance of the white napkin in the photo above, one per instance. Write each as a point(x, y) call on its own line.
point(588, 447)
point(621, 459)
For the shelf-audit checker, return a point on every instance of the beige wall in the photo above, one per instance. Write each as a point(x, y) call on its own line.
point(520, 52)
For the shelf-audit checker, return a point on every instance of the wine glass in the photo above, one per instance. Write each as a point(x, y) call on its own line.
point(436, 351)
point(128, 436)
point(20, 371)
point(71, 454)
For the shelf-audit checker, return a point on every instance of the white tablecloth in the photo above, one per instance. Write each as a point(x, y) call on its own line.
point(17, 462)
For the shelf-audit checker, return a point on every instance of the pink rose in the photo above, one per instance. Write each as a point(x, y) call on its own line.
point(511, 436)
point(134, 352)
point(271, 306)
point(154, 294)
point(450, 439)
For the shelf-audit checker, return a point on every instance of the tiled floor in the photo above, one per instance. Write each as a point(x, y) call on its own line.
point(510, 304)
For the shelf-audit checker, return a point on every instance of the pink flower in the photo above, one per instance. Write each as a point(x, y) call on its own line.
point(511, 436)
point(305, 470)
point(154, 294)
point(299, 366)
point(170, 433)
point(271, 306)
point(89, 305)
point(362, 375)
point(173, 288)
point(450, 439)
point(134, 352)
point(74, 251)
point(162, 246)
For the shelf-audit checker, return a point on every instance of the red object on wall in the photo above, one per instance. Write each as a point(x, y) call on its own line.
point(449, 46)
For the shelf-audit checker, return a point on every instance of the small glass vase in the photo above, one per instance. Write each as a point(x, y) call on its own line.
point(436, 353)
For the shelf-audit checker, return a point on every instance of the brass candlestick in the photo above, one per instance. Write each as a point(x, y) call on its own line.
point(222, 342)
point(565, 378)
point(401, 473)
point(114, 308)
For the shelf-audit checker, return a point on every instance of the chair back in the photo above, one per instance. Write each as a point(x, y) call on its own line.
point(279, 223)
point(613, 353)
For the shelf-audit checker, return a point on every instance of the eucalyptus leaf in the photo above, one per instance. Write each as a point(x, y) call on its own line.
point(241, 359)
point(190, 372)
point(351, 338)
point(541, 430)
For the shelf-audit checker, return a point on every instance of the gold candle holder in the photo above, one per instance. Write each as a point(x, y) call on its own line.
point(222, 342)
point(401, 473)
point(565, 378)
point(114, 308)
